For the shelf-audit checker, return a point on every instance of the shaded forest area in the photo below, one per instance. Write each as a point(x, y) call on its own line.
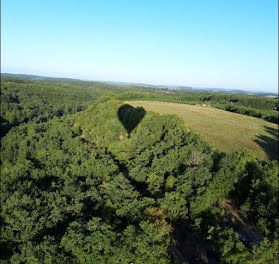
point(268, 143)
point(118, 184)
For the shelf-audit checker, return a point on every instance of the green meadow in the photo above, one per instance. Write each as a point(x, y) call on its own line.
point(225, 130)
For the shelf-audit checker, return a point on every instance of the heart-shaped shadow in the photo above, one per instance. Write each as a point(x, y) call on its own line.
point(130, 116)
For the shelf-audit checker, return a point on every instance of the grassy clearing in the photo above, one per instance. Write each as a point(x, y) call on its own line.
point(224, 130)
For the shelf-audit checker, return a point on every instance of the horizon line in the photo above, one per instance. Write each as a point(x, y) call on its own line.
point(143, 83)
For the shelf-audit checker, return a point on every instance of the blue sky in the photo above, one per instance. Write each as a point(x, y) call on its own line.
point(200, 43)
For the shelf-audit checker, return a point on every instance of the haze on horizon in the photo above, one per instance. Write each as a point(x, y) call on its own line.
point(198, 43)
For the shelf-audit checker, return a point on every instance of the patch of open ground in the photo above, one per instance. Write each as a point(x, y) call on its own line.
point(226, 131)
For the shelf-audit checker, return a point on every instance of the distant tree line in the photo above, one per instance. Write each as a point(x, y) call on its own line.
point(259, 113)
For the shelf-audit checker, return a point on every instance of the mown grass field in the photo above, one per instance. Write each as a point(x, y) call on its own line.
point(224, 130)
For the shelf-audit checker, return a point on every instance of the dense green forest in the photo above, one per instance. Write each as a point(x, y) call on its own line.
point(87, 178)
point(23, 101)
point(39, 101)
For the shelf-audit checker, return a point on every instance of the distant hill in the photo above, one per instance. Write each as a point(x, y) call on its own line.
point(37, 77)
point(160, 86)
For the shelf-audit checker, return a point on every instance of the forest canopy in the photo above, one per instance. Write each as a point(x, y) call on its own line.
point(117, 184)
point(39, 101)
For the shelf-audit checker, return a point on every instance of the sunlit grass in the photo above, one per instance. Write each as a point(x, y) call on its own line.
point(224, 130)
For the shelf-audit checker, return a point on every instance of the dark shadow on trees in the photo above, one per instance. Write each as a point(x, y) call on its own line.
point(130, 116)
point(190, 248)
point(5, 126)
point(269, 143)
